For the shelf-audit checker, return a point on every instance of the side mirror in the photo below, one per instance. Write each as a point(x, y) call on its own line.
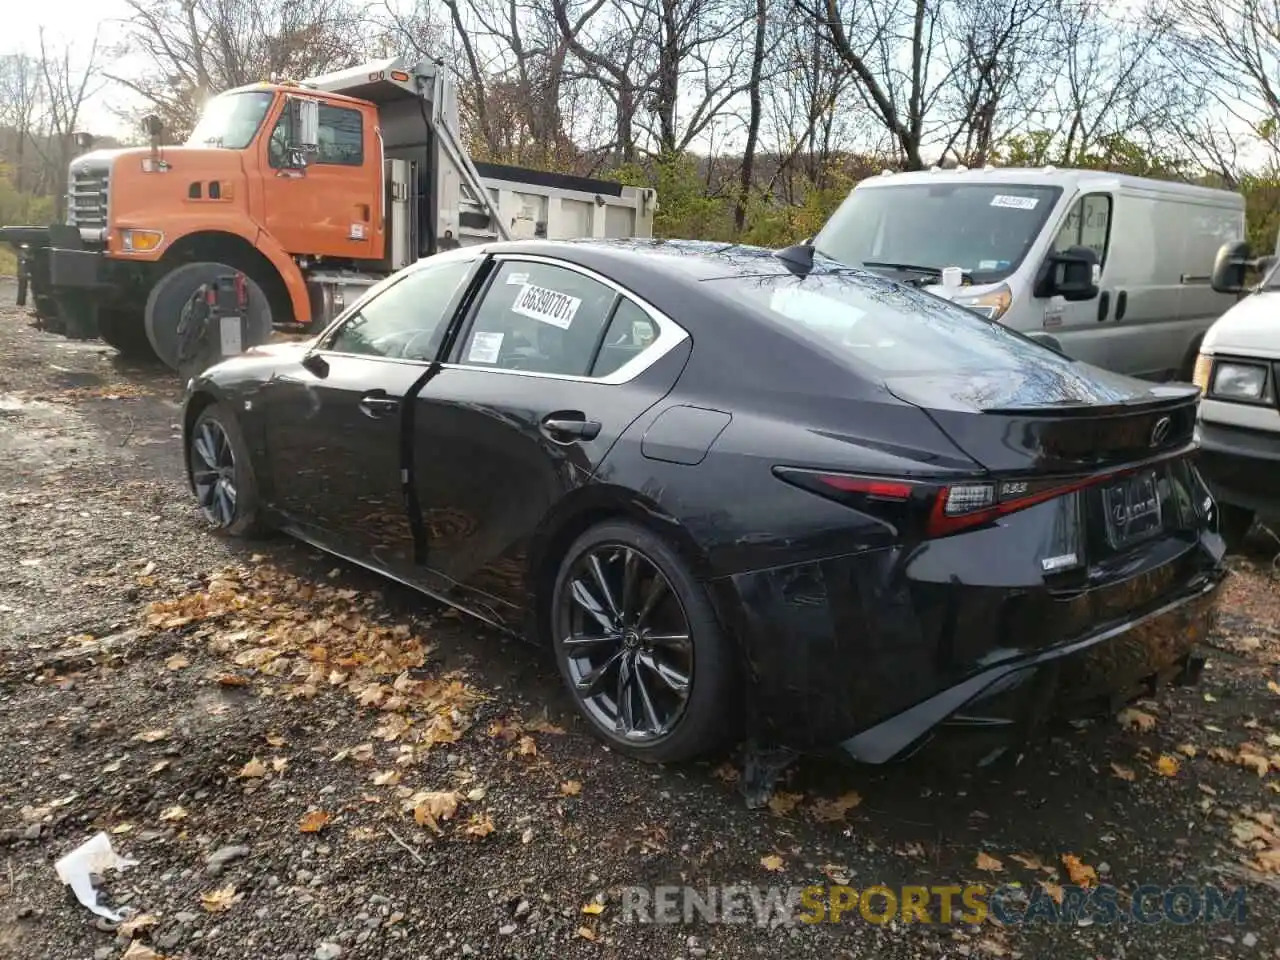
point(1230, 266)
point(1072, 274)
point(84, 141)
point(304, 125)
point(153, 127)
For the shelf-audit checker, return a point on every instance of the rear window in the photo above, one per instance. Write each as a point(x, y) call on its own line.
point(881, 325)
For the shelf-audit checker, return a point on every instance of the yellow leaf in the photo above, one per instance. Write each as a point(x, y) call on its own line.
point(173, 814)
point(122, 828)
point(313, 822)
point(133, 925)
point(1187, 749)
point(160, 765)
point(988, 863)
point(772, 863)
point(526, 747)
point(1258, 764)
point(480, 825)
point(1053, 890)
point(254, 768)
point(586, 933)
point(387, 778)
point(1136, 719)
point(1168, 765)
point(431, 807)
point(274, 740)
point(1081, 874)
point(279, 764)
point(832, 811)
point(593, 909)
point(1124, 773)
point(220, 900)
point(177, 662)
point(1273, 687)
point(571, 788)
point(140, 951)
point(783, 804)
point(1028, 860)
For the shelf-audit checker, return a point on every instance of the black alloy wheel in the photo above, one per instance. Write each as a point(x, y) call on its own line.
point(639, 646)
point(222, 475)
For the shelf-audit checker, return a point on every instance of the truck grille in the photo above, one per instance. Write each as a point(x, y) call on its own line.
point(87, 198)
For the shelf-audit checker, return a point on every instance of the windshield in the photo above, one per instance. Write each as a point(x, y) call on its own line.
point(885, 327)
point(231, 121)
point(984, 228)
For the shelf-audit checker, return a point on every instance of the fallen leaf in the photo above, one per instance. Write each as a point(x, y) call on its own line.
point(232, 680)
point(476, 794)
point(1273, 687)
point(782, 804)
point(480, 825)
point(1258, 764)
point(586, 933)
point(526, 747)
point(122, 828)
point(254, 768)
point(133, 925)
point(177, 662)
point(431, 807)
point(772, 863)
point(113, 766)
point(313, 822)
point(1081, 874)
point(1124, 773)
point(220, 900)
point(173, 814)
point(545, 726)
point(160, 766)
point(279, 764)
point(726, 772)
point(1168, 765)
point(1136, 719)
point(1028, 860)
point(1053, 890)
point(139, 951)
point(988, 863)
point(1187, 749)
point(274, 740)
point(571, 788)
point(593, 909)
point(831, 811)
point(387, 778)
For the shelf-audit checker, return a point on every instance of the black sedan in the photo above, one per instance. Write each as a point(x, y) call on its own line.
point(736, 493)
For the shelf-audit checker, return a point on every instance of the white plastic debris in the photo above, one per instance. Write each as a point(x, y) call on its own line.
point(94, 856)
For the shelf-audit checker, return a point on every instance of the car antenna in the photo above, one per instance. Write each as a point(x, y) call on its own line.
point(798, 257)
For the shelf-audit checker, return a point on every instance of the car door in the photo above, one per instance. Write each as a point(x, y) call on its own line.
point(1086, 328)
point(550, 366)
point(334, 422)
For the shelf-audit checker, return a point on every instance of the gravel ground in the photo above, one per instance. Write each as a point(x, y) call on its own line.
point(308, 762)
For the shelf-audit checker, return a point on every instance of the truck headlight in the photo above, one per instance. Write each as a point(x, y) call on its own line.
point(140, 241)
point(991, 305)
point(1239, 381)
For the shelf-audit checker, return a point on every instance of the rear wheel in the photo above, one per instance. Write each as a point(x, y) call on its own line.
point(124, 330)
point(639, 646)
point(1234, 524)
point(222, 473)
point(186, 349)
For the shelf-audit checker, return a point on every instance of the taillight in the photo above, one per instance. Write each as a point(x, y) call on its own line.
point(961, 506)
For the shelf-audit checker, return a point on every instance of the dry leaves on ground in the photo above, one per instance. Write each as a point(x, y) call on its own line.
point(772, 862)
point(834, 811)
point(1081, 874)
point(313, 822)
point(220, 900)
point(430, 807)
point(1136, 719)
point(988, 863)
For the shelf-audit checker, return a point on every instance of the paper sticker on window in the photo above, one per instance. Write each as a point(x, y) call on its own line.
point(1015, 203)
point(641, 332)
point(546, 306)
point(517, 279)
point(485, 348)
point(988, 264)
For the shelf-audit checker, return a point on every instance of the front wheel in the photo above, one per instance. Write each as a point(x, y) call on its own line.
point(639, 646)
point(222, 473)
point(173, 326)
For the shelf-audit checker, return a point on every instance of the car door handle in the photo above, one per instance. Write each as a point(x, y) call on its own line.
point(377, 405)
point(1104, 305)
point(565, 428)
point(1122, 301)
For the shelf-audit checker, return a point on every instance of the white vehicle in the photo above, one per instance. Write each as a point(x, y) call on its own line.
point(1238, 421)
point(1025, 242)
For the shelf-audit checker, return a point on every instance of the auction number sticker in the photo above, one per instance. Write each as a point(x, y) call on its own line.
point(546, 306)
point(485, 348)
point(1014, 203)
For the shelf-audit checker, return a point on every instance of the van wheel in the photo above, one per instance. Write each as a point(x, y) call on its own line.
point(1234, 524)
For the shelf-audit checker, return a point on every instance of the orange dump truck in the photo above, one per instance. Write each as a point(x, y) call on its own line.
point(313, 191)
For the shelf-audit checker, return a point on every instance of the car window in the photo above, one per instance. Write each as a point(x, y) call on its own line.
point(630, 331)
point(538, 317)
point(1088, 224)
point(340, 136)
point(408, 319)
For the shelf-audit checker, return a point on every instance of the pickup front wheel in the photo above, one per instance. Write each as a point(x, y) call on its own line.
point(176, 320)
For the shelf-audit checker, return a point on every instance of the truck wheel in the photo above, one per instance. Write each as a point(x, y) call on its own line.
point(123, 329)
point(174, 291)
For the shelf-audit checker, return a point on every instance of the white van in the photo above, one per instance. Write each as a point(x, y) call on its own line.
point(1238, 421)
point(1024, 240)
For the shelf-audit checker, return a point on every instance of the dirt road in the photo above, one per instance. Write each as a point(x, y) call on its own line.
point(308, 762)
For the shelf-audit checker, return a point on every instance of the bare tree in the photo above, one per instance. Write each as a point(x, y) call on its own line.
point(68, 82)
point(747, 175)
point(21, 104)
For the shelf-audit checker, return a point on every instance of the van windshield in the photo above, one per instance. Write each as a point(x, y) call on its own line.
point(985, 229)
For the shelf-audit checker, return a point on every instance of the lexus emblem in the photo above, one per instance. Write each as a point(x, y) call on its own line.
point(1160, 432)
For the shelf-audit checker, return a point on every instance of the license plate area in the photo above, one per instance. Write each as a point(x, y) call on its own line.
point(1132, 510)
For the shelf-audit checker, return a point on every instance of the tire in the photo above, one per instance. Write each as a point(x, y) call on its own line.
point(124, 330)
point(242, 520)
point(688, 726)
point(1234, 524)
point(173, 292)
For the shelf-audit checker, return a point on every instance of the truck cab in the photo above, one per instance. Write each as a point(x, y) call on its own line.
point(312, 191)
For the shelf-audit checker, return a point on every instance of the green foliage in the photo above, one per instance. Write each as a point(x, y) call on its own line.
point(19, 208)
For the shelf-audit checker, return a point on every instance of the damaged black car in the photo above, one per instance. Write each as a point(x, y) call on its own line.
point(735, 493)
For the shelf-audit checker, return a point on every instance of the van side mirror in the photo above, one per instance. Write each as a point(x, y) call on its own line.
point(304, 130)
point(1230, 267)
point(1072, 274)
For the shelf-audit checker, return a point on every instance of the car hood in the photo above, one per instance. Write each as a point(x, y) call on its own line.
point(1250, 328)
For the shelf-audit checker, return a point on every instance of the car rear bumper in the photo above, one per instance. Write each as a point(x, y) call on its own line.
point(1241, 466)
